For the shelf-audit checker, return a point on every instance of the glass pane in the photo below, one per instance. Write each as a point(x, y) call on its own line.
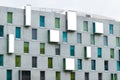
point(105, 40)
point(42, 48)
point(79, 64)
point(99, 52)
point(49, 62)
point(57, 22)
point(72, 75)
point(72, 51)
point(1, 60)
point(34, 62)
point(64, 36)
point(112, 53)
point(26, 47)
point(57, 75)
point(85, 24)
point(18, 32)
point(18, 61)
point(57, 49)
point(79, 38)
point(42, 21)
point(92, 39)
point(9, 17)
point(1, 31)
point(111, 28)
point(34, 34)
point(9, 74)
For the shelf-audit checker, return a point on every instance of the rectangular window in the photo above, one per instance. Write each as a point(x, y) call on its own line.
point(42, 21)
point(9, 74)
point(57, 49)
point(34, 34)
point(105, 41)
point(113, 76)
point(85, 25)
point(57, 22)
point(118, 41)
point(17, 61)
point(34, 62)
point(99, 76)
point(99, 52)
point(111, 28)
point(106, 65)
point(42, 48)
point(18, 32)
point(79, 38)
point(1, 60)
point(42, 75)
point(79, 62)
point(72, 50)
point(9, 17)
point(64, 36)
point(118, 65)
point(72, 75)
point(119, 54)
point(1, 31)
point(93, 64)
point(111, 53)
point(50, 63)
point(57, 75)
point(86, 76)
point(92, 39)
point(24, 75)
point(26, 47)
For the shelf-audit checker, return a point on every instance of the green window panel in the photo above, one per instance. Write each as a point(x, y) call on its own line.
point(9, 74)
point(42, 48)
point(57, 22)
point(111, 53)
point(9, 17)
point(17, 61)
point(18, 32)
point(57, 75)
point(72, 75)
point(92, 39)
point(50, 63)
point(26, 47)
point(118, 41)
point(85, 25)
point(1, 60)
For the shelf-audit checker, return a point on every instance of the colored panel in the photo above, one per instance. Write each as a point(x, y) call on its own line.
point(50, 64)
point(57, 22)
point(72, 75)
point(57, 75)
point(9, 17)
point(28, 15)
point(1, 60)
point(1, 30)
point(111, 28)
point(9, 74)
point(79, 38)
point(99, 52)
point(79, 62)
point(18, 61)
point(26, 47)
point(18, 32)
point(64, 37)
point(98, 28)
point(42, 21)
point(69, 64)
point(42, 48)
point(85, 25)
point(72, 50)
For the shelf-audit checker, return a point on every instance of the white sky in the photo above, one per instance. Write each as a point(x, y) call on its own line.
point(109, 8)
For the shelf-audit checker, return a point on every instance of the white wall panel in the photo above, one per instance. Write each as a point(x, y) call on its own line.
point(69, 64)
point(28, 15)
point(54, 36)
point(88, 52)
point(99, 28)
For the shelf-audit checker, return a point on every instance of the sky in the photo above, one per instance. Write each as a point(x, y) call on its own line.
point(108, 8)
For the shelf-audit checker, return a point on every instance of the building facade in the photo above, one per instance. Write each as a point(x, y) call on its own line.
point(57, 45)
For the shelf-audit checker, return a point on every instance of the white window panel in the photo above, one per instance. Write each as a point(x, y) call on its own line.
point(98, 28)
point(69, 64)
point(28, 15)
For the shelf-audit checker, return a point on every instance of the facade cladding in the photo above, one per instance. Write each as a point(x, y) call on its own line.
point(53, 45)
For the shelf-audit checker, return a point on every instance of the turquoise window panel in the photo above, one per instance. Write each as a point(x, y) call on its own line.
point(1, 31)
point(18, 32)
point(99, 52)
point(118, 65)
point(111, 28)
point(64, 36)
point(72, 50)
point(93, 65)
point(9, 74)
point(1, 60)
point(79, 62)
point(42, 21)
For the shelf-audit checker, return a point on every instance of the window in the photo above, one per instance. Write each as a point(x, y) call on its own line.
point(106, 65)
point(57, 49)
point(57, 75)
point(118, 65)
point(86, 76)
point(72, 50)
point(9, 74)
point(99, 52)
point(57, 22)
point(9, 17)
point(1, 60)
point(85, 25)
point(50, 63)
point(113, 76)
point(18, 32)
point(42, 21)
point(34, 34)
point(93, 64)
point(42, 75)
point(111, 53)
point(92, 39)
point(72, 75)
point(1, 31)
point(42, 48)
point(79, 38)
point(64, 37)
point(17, 61)
point(111, 28)
point(24, 75)
point(79, 62)
point(26, 47)
point(105, 41)
point(118, 41)
point(34, 62)
point(99, 76)
point(119, 54)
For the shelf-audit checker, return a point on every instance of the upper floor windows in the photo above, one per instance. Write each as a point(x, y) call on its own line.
point(18, 32)
point(105, 40)
point(64, 37)
point(42, 21)
point(1, 30)
point(85, 26)
point(111, 28)
point(9, 17)
point(57, 22)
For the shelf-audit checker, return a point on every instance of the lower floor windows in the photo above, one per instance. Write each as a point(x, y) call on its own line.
point(113, 76)
point(42, 75)
point(24, 75)
point(99, 76)
point(86, 76)
point(9, 74)
point(72, 75)
point(57, 75)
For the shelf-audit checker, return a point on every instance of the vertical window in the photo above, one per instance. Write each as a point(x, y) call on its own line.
point(17, 61)
point(18, 32)
point(26, 47)
point(92, 39)
point(85, 25)
point(42, 48)
point(1, 60)
point(105, 41)
point(113, 76)
point(79, 38)
point(57, 75)
point(118, 41)
point(79, 62)
point(64, 37)
point(93, 64)
point(111, 53)
point(9, 74)
point(42, 21)
point(99, 76)
point(34, 34)
point(99, 52)
point(118, 65)
point(1, 31)
point(50, 63)
point(86, 76)
point(106, 65)
point(24, 75)
point(72, 75)
point(111, 28)
point(57, 22)
point(57, 49)
point(9, 17)
point(42, 75)
point(72, 50)
point(119, 54)
point(34, 62)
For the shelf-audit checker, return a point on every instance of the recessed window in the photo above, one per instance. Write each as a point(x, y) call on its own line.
point(92, 39)
point(57, 22)
point(118, 41)
point(85, 25)
point(9, 17)
point(106, 65)
point(25, 75)
point(1, 60)
point(42, 21)
point(99, 76)
point(64, 37)
point(114, 76)
point(50, 62)
point(34, 34)
point(79, 62)
point(93, 64)
point(42, 48)
point(86, 76)
point(99, 50)
point(118, 65)
point(58, 75)
point(17, 61)
point(111, 28)
point(72, 50)
point(105, 41)
point(111, 52)
point(1, 30)
point(26, 47)
point(72, 76)
point(57, 49)
point(42, 75)
point(9, 74)
point(34, 62)
point(18, 32)
point(79, 38)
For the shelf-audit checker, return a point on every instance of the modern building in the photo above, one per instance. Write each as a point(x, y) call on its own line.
point(50, 44)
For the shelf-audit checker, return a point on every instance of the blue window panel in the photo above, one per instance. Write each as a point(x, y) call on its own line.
point(42, 21)
point(18, 32)
point(34, 34)
point(79, 62)
point(79, 38)
point(111, 28)
point(9, 74)
point(1, 60)
point(93, 65)
point(72, 50)
point(99, 52)
point(64, 36)
point(105, 41)
point(1, 31)
point(118, 65)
